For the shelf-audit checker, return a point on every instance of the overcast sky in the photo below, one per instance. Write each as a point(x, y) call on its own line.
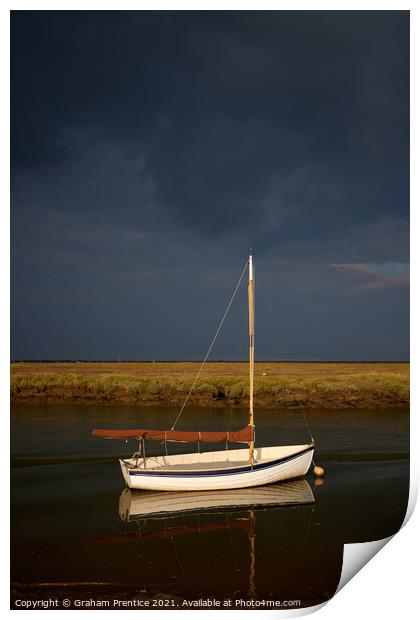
point(150, 150)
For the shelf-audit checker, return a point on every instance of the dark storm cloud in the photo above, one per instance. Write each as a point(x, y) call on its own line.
point(224, 104)
point(147, 145)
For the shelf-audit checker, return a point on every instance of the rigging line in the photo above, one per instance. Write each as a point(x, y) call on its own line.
point(305, 540)
point(211, 345)
point(237, 571)
point(180, 564)
point(307, 425)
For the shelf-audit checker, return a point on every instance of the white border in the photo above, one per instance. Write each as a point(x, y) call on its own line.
point(387, 585)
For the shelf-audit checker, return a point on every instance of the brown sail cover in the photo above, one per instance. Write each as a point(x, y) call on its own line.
point(245, 435)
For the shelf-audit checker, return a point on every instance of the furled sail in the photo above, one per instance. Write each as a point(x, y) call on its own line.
point(245, 435)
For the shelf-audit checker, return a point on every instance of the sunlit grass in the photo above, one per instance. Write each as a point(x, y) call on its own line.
point(282, 384)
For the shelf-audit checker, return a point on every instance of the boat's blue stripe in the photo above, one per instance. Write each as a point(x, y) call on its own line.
point(237, 470)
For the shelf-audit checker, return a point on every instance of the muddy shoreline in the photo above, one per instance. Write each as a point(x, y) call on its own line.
point(167, 397)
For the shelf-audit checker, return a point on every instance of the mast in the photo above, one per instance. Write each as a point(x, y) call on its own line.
point(251, 354)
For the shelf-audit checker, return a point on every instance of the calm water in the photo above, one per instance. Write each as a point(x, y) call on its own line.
point(68, 536)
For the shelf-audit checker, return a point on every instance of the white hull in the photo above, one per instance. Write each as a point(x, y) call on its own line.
point(227, 469)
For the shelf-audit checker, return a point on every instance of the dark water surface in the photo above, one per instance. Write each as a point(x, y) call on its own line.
point(68, 537)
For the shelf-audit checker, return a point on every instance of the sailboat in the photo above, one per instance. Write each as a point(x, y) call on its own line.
point(224, 469)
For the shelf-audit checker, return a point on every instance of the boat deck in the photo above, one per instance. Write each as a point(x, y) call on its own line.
point(189, 467)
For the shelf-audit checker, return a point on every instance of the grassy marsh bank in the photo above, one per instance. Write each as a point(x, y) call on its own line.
point(277, 384)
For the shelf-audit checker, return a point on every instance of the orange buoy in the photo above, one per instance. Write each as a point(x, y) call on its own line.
point(318, 472)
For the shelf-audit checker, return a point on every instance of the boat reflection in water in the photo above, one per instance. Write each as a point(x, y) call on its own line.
point(198, 525)
point(139, 504)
